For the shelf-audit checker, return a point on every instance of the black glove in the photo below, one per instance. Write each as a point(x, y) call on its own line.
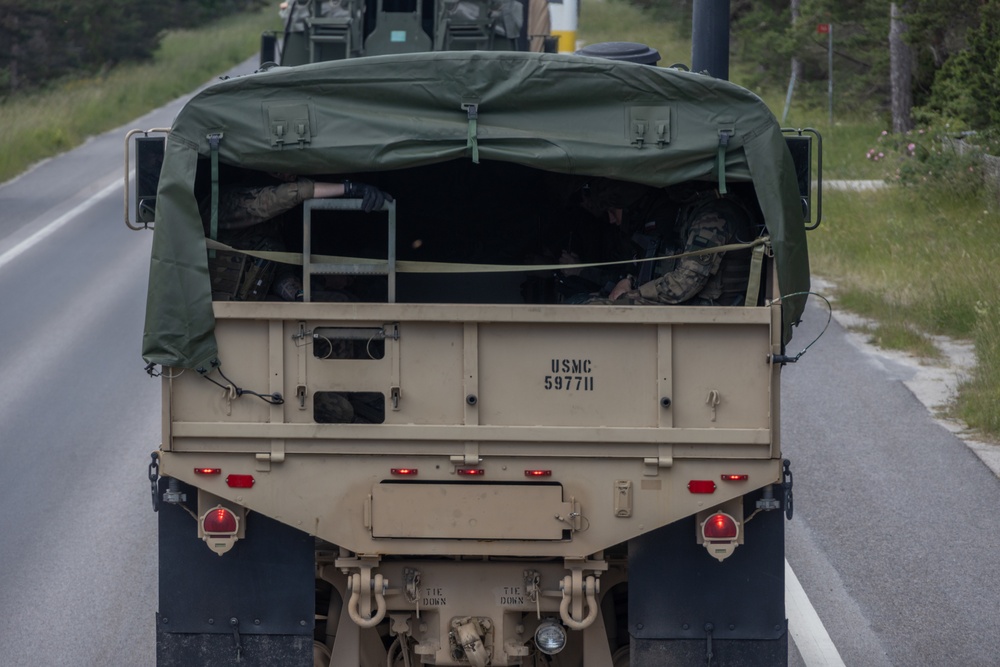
point(371, 197)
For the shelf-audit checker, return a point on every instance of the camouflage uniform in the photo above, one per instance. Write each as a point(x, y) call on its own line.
point(706, 221)
point(248, 220)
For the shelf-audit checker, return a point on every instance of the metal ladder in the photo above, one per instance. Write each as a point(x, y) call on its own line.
point(386, 267)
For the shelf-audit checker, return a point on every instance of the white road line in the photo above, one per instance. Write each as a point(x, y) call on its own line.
point(56, 224)
point(808, 633)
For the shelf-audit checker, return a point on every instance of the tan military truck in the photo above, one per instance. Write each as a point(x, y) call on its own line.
point(440, 456)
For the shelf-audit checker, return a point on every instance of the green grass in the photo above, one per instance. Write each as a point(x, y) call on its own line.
point(37, 126)
point(915, 260)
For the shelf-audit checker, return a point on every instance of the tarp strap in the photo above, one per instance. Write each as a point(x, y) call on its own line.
point(472, 142)
point(724, 136)
point(406, 266)
point(753, 283)
point(213, 144)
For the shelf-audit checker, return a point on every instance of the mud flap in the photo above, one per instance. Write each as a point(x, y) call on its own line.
point(686, 608)
point(252, 606)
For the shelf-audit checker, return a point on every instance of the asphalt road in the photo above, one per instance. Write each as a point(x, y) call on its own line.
point(894, 538)
point(896, 532)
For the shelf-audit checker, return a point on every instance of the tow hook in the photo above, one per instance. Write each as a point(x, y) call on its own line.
point(574, 588)
point(360, 604)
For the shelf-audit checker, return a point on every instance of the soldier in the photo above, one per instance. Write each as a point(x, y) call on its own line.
point(249, 219)
point(676, 221)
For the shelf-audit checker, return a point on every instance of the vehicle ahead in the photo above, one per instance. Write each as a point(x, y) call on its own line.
point(316, 31)
point(441, 454)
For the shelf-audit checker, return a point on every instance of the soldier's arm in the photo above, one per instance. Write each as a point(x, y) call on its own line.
point(691, 274)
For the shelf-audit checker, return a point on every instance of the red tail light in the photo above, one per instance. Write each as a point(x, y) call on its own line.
point(735, 478)
point(208, 471)
point(538, 473)
point(471, 472)
point(405, 472)
point(720, 526)
point(219, 520)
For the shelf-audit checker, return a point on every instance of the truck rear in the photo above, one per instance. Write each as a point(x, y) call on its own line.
point(439, 455)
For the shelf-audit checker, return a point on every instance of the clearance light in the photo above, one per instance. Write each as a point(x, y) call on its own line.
point(720, 535)
point(240, 481)
point(550, 637)
point(538, 473)
point(471, 472)
point(735, 478)
point(208, 471)
point(405, 472)
point(219, 527)
point(701, 486)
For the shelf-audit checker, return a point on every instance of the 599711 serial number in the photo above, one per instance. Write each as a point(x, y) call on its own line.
point(569, 375)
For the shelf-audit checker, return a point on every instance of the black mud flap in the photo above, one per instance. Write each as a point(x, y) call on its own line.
point(687, 608)
point(253, 606)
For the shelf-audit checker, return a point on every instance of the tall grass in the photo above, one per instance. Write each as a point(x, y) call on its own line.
point(39, 125)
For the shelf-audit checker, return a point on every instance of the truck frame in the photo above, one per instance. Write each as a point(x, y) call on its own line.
point(519, 480)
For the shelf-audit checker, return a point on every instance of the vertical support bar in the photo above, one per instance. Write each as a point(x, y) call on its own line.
point(665, 372)
point(276, 366)
point(470, 368)
point(307, 250)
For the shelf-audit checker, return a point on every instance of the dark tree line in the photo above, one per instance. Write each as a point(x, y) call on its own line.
point(952, 50)
point(43, 40)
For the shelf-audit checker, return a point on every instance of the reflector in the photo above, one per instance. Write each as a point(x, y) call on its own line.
point(701, 486)
point(240, 481)
point(720, 526)
point(219, 520)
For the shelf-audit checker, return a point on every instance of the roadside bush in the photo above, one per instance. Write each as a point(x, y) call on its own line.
point(928, 159)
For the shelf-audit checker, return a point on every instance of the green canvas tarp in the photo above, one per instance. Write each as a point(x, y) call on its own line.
point(555, 112)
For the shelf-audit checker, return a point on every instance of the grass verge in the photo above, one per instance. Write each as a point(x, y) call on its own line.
point(42, 124)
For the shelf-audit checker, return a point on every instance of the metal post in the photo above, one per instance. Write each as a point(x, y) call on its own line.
point(710, 38)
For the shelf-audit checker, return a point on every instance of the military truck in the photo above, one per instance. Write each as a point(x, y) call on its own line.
point(317, 31)
point(435, 457)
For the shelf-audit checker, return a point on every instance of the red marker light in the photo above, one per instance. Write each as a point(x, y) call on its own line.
point(471, 472)
point(720, 526)
point(538, 473)
point(208, 471)
point(219, 520)
point(735, 478)
point(240, 481)
point(407, 472)
point(701, 486)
